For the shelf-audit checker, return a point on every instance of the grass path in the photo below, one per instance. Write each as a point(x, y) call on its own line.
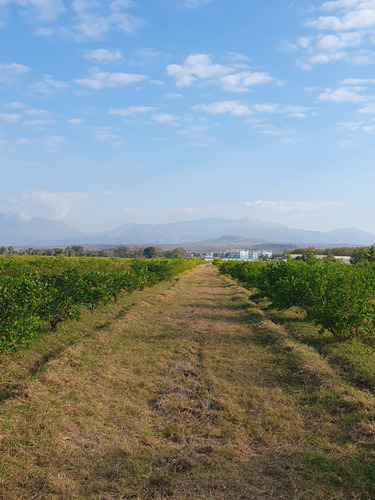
point(184, 391)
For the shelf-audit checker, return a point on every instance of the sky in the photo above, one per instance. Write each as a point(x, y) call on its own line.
point(155, 111)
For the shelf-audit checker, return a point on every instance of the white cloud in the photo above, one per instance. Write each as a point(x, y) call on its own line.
point(46, 204)
point(44, 10)
point(39, 122)
point(194, 4)
point(16, 105)
point(99, 79)
point(241, 82)
point(10, 117)
point(334, 42)
point(196, 66)
point(287, 206)
point(157, 83)
point(9, 72)
point(119, 5)
point(324, 58)
point(53, 143)
point(75, 121)
point(346, 144)
point(166, 119)
point(132, 110)
point(96, 26)
point(81, 6)
point(44, 31)
point(36, 112)
point(236, 108)
point(290, 111)
point(357, 81)
point(356, 19)
point(85, 19)
point(305, 42)
point(47, 10)
point(350, 94)
point(284, 133)
point(361, 126)
point(231, 107)
point(48, 85)
point(345, 34)
point(287, 46)
point(352, 126)
point(200, 67)
point(367, 109)
point(198, 136)
point(126, 22)
point(103, 55)
point(22, 141)
point(146, 55)
point(106, 134)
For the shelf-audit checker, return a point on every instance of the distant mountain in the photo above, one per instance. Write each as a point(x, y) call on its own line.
point(16, 231)
point(355, 235)
point(246, 232)
point(188, 231)
point(228, 242)
point(213, 229)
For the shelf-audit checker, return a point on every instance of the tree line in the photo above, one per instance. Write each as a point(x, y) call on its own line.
point(339, 298)
point(39, 293)
point(151, 252)
point(358, 255)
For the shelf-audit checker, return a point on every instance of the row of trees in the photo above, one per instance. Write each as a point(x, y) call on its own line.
point(119, 251)
point(338, 297)
point(358, 255)
point(39, 292)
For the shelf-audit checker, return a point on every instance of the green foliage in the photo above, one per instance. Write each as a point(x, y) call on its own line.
point(338, 297)
point(363, 255)
point(61, 298)
point(150, 252)
point(39, 290)
point(20, 299)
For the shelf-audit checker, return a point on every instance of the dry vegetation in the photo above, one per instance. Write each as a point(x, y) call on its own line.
point(185, 391)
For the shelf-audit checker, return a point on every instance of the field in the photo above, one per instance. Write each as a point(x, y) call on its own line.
point(190, 389)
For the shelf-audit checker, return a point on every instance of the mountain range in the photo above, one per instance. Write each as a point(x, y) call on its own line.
point(16, 231)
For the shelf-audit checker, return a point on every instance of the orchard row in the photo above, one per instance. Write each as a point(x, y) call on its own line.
point(41, 292)
point(338, 297)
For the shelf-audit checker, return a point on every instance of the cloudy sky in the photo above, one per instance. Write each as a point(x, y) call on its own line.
point(117, 111)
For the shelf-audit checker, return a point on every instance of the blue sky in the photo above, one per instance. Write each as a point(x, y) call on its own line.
point(167, 110)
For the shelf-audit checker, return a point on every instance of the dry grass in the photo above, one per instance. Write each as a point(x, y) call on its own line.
point(184, 391)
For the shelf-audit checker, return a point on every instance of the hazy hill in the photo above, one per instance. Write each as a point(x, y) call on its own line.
point(214, 229)
point(242, 232)
point(22, 232)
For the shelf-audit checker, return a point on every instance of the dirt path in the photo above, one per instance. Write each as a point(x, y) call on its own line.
point(192, 393)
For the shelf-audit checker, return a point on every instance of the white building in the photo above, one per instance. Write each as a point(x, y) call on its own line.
point(265, 253)
point(237, 254)
point(241, 254)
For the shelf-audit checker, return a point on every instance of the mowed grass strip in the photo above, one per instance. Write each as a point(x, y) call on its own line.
point(185, 391)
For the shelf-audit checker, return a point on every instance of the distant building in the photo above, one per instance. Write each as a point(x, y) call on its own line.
point(237, 254)
point(246, 255)
point(344, 258)
point(266, 253)
point(254, 255)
